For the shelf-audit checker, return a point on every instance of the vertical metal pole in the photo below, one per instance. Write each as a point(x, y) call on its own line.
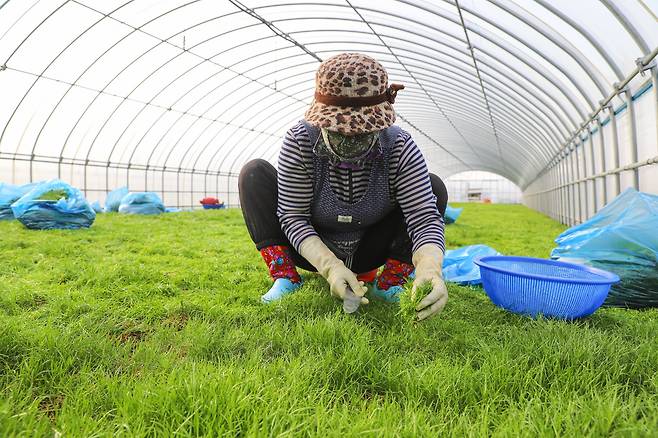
point(633, 135)
point(604, 186)
point(582, 185)
point(615, 149)
point(573, 185)
point(593, 170)
point(178, 188)
point(205, 183)
point(563, 189)
point(84, 179)
point(107, 178)
point(146, 179)
point(162, 187)
point(654, 82)
point(192, 187)
point(228, 190)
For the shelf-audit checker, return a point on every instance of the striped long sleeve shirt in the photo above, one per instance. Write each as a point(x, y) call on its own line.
point(409, 186)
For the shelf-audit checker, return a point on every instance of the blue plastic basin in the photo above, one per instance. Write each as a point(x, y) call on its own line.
point(551, 288)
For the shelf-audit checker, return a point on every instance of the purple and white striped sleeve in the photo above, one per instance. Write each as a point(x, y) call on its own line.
point(413, 192)
point(295, 187)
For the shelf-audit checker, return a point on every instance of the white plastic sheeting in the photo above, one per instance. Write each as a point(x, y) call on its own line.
point(176, 95)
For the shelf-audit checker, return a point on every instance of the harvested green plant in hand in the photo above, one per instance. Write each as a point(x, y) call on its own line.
point(410, 299)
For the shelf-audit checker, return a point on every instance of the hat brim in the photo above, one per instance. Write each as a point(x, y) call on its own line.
point(351, 120)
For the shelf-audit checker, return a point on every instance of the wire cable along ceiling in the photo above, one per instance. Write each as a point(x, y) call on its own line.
point(184, 92)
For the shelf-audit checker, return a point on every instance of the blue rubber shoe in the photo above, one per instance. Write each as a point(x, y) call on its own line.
point(280, 288)
point(390, 295)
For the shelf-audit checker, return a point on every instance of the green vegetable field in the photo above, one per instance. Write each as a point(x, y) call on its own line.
point(153, 326)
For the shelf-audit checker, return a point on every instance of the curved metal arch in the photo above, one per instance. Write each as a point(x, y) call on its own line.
point(467, 119)
point(246, 146)
point(310, 62)
point(262, 143)
point(262, 110)
point(492, 38)
point(587, 35)
point(165, 42)
point(544, 29)
point(481, 32)
point(230, 93)
point(89, 151)
point(237, 75)
point(628, 26)
point(190, 107)
point(309, 90)
point(429, 80)
point(4, 130)
point(118, 74)
point(546, 114)
point(27, 11)
point(546, 75)
point(223, 112)
point(318, 43)
point(221, 129)
point(557, 108)
point(219, 86)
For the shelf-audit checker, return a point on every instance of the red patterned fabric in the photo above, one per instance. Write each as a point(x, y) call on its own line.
point(395, 274)
point(279, 263)
point(367, 277)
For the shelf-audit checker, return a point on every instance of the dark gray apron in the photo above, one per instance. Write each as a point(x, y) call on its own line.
point(342, 225)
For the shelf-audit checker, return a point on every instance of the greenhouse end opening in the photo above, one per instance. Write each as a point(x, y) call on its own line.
point(342, 218)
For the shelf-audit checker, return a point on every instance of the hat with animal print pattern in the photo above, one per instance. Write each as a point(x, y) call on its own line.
point(352, 95)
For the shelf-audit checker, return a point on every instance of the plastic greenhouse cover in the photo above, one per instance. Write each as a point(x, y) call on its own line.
point(620, 238)
point(458, 266)
point(8, 195)
point(67, 208)
point(85, 90)
point(142, 203)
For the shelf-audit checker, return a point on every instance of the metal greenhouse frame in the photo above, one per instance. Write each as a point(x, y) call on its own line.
point(175, 96)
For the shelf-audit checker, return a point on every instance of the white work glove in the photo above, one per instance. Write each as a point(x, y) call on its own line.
point(331, 268)
point(428, 261)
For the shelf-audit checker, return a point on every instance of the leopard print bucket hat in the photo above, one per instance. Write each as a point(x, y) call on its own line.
point(352, 95)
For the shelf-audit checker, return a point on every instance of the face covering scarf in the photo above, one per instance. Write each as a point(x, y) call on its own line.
point(348, 152)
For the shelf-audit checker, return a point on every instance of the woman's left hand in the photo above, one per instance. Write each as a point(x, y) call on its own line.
point(435, 301)
point(428, 261)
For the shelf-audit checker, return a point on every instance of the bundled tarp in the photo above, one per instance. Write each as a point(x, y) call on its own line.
point(141, 203)
point(8, 195)
point(54, 205)
point(621, 238)
point(113, 201)
point(458, 266)
point(97, 207)
point(452, 213)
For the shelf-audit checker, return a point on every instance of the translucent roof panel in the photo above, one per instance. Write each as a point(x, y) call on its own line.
point(206, 85)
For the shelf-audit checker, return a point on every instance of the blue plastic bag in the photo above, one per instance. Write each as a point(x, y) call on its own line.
point(621, 238)
point(40, 210)
point(452, 214)
point(113, 201)
point(142, 203)
point(172, 210)
point(9, 194)
point(458, 266)
point(97, 207)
